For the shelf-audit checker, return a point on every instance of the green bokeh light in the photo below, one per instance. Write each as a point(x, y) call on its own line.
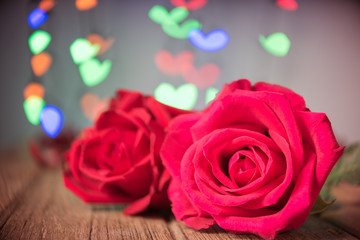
point(38, 41)
point(181, 31)
point(183, 97)
point(82, 50)
point(32, 107)
point(160, 15)
point(94, 72)
point(210, 94)
point(277, 44)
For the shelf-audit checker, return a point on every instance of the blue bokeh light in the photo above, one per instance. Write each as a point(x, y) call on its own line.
point(213, 41)
point(37, 17)
point(52, 120)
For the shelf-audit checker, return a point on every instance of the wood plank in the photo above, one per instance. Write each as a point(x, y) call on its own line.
point(17, 171)
point(113, 224)
point(46, 211)
point(313, 228)
point(181, 231)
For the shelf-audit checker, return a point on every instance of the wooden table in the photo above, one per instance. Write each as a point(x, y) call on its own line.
point(34, 204)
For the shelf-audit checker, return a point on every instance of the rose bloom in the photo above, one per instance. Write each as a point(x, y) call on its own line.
point(253, 162)
point(117, 160)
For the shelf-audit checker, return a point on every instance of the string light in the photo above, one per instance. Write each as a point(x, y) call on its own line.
point(277, 44)
point(33, 105)
point(40, 63)
point(181, 31)
point(213, 41)
point(190, 5)
point(94, 72)
point(183, 97)
point(52, 120)
point(81, 50)
point(37, 17)
point(84, 5)
point(160, 15)
point(34, 89)
point(170, 21)
point(38, 41)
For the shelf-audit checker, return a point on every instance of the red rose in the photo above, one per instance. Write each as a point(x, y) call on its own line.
point(253, 162)
point(117, 160)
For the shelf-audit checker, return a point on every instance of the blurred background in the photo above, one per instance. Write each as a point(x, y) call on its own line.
point(316, 54)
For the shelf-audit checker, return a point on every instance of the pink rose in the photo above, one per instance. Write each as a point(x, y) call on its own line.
point(253, 162)
point(117, 160)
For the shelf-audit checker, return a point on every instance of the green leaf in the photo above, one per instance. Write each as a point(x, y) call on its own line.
point(320, 205)
point(347, 169)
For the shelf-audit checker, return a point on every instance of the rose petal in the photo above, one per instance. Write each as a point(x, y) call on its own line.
point(112, 119)
point(176, 143)
point(139, 205)
point(126, 100)
point(317, 131)
point(297, 101)
point(206, 199)
point(222, 144)
point(242, 84)
point(253, 110)
point(185, 211)
point(141, 114)
point(291, 216)
point(163, 113)
point(90, 195)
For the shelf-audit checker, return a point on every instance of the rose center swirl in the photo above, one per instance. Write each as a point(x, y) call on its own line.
point(242, 168)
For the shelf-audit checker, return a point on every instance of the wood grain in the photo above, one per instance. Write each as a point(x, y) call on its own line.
point(16, 173)
point(36, 205)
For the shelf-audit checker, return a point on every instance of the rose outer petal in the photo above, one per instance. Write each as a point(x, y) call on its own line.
point(126, 100)
point(228, 88)
point(317, 132)
point(297, 102)
point(92, 196)
point(185, 210)
point(240, 107)
point(176, 143)
point(163, 113)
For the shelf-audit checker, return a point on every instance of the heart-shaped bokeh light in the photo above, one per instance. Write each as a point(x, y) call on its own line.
point(160, 15)
point(183, 97)
point(277, 44)
point(213, 41)
point(94, 72)
point(81, 50)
